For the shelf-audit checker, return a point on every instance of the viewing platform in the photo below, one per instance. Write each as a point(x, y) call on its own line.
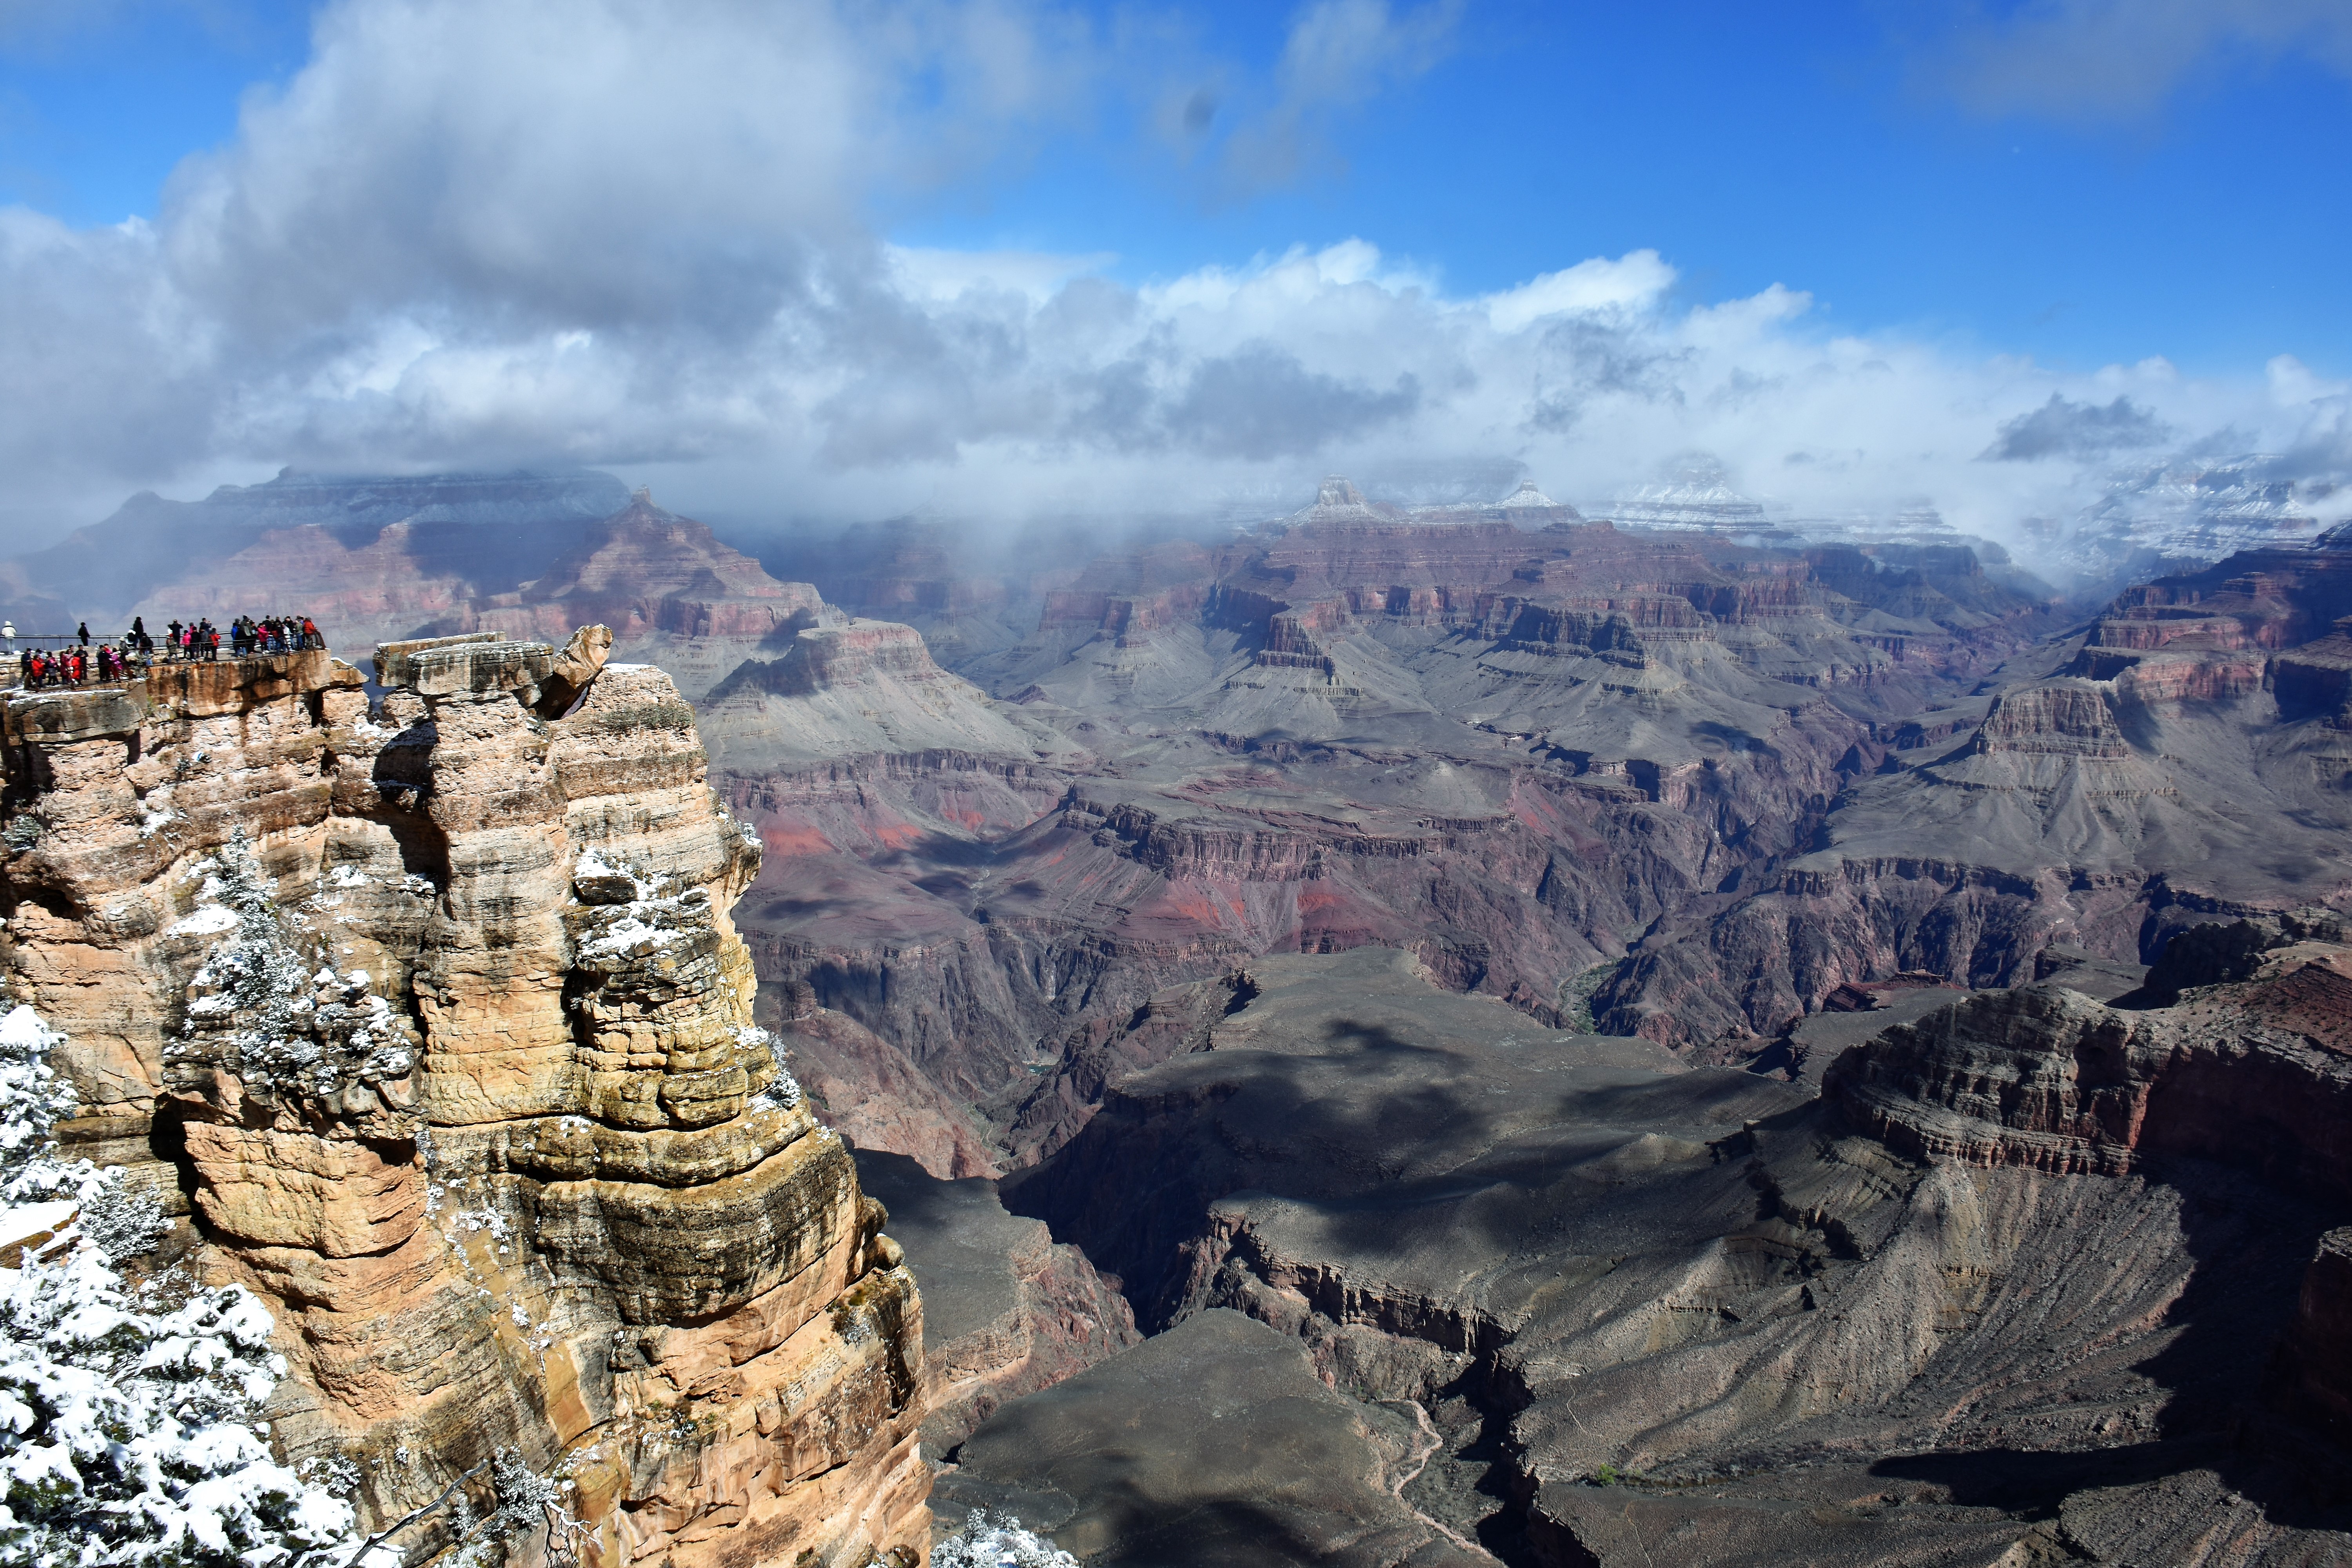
point(478, 664)
point(175, 689)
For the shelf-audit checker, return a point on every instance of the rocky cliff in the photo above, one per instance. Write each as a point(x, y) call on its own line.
point(670, 590)
point(435, 1012)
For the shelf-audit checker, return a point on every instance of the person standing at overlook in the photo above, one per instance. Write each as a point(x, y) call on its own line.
point(82, 631)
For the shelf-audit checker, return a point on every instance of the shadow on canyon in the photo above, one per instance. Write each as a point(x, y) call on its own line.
point(2227, 1372)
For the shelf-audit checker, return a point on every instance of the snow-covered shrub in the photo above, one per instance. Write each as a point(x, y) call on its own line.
point(129, 1429)
point(32, 1097)
point(119, 1220)
point(785, 1092)
point(522, 1500)
point(267, 1006)
point(130, 1417)
point(982, 1543)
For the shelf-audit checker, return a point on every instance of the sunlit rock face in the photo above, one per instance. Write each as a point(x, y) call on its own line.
point(434, 1010)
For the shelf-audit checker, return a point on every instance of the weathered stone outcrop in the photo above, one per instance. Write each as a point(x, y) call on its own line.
point(437, 1010)
point(2049, 1079)
point(850, 690)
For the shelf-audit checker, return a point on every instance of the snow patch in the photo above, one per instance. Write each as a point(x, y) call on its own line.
point(630, 936)
point(206, 921)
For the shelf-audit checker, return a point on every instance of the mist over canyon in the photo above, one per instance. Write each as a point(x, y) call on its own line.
point(1404, 1026)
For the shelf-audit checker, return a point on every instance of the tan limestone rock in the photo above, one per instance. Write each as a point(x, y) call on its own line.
point(436, 1007)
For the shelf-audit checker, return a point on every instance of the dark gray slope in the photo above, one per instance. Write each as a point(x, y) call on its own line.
point(1215, 1442)
point(1694, 1316)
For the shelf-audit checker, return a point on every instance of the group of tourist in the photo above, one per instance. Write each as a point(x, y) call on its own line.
point(78, 663)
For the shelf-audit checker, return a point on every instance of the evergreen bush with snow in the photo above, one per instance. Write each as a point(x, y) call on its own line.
point(980, 1541)
point(268, 1006)
point(131, 1430)
point(33, 1098)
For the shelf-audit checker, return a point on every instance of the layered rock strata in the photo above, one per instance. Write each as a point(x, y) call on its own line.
point(2181, 760)
point(670, 590)
point(435, 1010)
point(1528, 755)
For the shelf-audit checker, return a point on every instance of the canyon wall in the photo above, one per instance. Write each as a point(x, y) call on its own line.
point(433, 1015)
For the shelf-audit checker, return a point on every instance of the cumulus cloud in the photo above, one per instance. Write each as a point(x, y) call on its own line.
point(645, 235)
point(2063, 428)
point(2098, 59)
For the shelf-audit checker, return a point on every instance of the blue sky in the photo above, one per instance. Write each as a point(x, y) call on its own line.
point(1809, 145)
point(836, 258)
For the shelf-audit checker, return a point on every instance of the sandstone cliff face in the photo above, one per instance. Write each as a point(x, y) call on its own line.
point(436, 1012)
point(2047, 1078)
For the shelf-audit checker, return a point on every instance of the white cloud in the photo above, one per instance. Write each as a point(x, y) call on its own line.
point(1338, 55)
point(939, 278)
point(1597, 284)
point(612, 232)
